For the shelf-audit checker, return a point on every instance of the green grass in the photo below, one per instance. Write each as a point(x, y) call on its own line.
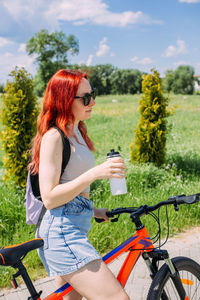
point(147, 184)
point(111, 126)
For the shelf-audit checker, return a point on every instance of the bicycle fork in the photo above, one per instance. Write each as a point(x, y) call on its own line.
point(162, 255)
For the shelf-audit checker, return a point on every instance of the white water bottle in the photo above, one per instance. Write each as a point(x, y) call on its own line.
point(117, 185)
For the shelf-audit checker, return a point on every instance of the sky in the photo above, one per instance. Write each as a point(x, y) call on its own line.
point(136, 34)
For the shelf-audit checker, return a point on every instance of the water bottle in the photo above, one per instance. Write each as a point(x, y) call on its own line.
point(117, 185)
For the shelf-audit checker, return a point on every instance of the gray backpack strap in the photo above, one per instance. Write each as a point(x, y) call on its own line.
point(40, 218)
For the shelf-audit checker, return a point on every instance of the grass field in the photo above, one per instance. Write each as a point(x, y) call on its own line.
point(111, 126)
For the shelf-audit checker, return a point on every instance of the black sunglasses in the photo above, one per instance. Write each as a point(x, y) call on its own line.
point(87, 97)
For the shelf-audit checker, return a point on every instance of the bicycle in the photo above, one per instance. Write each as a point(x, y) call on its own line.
point(177, 278)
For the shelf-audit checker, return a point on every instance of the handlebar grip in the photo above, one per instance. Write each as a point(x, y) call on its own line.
point(189, 199)
point(108, 214)
point(99, 220)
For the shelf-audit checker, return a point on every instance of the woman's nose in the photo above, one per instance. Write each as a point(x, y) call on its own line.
point(92, 102)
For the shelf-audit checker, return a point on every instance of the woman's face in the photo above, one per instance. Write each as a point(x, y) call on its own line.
point(79, 110)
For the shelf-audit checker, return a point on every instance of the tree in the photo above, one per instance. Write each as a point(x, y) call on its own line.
point(183, 82)
point(19, 117)
point(126, 81)
point(108, 79)
point(168, 81)
point(51, 54)
point(150, 135)
point(100, 77)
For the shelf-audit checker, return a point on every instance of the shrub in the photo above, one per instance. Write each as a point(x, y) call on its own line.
point(19, 117)
point(151, 132)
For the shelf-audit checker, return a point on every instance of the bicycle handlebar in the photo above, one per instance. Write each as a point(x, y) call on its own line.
point(144, 209)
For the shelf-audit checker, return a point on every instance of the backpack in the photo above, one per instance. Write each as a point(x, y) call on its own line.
point(35, 209)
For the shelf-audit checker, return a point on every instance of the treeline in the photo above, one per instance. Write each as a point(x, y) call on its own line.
point(112, 80)
point(50, 51)
point(108, 79)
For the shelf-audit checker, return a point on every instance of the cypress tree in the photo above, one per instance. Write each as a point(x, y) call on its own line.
point(150, 134)
point(19, 117)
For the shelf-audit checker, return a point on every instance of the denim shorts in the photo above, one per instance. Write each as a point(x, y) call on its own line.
point(65, 233)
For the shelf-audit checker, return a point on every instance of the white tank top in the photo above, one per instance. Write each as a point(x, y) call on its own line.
point(81, 159)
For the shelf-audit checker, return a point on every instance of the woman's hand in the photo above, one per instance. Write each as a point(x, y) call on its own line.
point(111, 168)
point(100, 213)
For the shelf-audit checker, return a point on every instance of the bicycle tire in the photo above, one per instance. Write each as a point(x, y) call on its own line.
point(188, 269)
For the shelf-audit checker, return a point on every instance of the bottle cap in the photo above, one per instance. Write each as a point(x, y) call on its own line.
point(112, 153)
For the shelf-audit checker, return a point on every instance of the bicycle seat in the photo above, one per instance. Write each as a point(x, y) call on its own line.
point(10, 255)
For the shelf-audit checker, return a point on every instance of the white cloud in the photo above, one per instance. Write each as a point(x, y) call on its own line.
point(9, 61)
point(25, 17)
point(180, 63)
point(134, 59)
point(103, 48)
point(79, 12)
point(29, 14)
point(89, 60)
point(23, 8)
point(5, 42)
point(190, 1)
point(22, 48)
point(93, 11)
point(179, 49)
point(142, 61)
point(8, 54)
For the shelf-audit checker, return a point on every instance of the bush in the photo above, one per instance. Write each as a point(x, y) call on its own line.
point(151, 132)
point(19, 117)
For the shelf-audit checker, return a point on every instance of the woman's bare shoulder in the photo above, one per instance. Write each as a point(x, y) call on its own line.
point(51, 136)
point(51, 142)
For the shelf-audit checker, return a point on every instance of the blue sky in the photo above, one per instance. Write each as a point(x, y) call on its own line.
point(138, 34)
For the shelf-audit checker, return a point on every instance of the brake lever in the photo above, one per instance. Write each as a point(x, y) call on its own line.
point(99, 220)
point(115, 220)
point(102, 220)
point(176, 207)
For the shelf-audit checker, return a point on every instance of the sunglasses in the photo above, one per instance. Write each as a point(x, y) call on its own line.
point(87, 97)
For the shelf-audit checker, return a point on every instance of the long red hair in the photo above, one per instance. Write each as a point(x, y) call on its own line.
point(56, 111)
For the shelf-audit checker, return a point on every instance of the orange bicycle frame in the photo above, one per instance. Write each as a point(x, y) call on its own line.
point(135, 245)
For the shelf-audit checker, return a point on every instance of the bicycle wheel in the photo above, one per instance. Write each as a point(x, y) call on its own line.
point(162, 286)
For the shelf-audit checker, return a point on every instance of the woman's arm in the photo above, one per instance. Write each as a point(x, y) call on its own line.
point(55, 194)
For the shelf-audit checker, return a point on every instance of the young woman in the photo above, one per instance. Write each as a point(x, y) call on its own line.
point(67, 253)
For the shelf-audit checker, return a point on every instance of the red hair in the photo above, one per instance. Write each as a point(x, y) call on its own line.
point(58, 98)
